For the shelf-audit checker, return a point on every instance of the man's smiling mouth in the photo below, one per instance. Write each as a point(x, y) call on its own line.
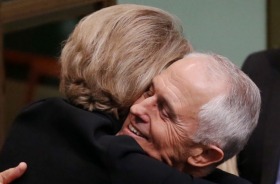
point(135, 131)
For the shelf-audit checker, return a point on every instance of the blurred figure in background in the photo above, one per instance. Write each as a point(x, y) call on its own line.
point(259, 161)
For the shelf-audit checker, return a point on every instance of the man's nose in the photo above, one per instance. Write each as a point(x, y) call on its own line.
point(146, 105)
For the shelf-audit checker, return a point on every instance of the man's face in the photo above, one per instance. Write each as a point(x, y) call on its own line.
point(164, 118)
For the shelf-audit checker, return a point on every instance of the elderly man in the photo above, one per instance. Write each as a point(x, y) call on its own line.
point(197, 113)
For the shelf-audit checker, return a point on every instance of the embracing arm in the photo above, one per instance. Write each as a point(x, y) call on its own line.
point(128, 163)
point(11, 174)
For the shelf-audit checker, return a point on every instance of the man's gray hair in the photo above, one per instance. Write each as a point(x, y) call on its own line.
point(228, 120)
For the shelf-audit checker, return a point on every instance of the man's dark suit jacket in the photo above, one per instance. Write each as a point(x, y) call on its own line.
point(65, 144)
point(258, 162)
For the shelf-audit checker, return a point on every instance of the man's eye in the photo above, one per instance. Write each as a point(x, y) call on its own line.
point(164, 113)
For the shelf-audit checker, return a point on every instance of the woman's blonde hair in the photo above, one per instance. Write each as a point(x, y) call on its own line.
point(112, 55)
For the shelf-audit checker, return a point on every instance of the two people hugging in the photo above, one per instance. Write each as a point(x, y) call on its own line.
point(141, 107)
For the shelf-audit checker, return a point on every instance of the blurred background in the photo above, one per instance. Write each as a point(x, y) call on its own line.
point(33, 31)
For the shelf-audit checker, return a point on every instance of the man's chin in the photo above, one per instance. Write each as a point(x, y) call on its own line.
point(143, 142)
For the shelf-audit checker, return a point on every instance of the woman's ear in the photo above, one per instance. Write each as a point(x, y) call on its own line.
point(205, 156)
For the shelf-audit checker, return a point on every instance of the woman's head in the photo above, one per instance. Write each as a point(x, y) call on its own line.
point(112, 55)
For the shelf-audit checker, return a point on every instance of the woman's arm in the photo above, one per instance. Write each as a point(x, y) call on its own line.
point(11, 174)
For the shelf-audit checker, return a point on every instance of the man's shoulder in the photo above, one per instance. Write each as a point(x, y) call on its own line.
point(222, 177)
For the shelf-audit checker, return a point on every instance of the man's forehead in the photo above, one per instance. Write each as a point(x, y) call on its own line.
point(189, 78)
point(182, 66)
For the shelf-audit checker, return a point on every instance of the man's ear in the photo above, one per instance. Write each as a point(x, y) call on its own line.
point(205, 156)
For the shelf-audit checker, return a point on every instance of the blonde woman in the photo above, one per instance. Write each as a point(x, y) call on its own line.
point(106, 64)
